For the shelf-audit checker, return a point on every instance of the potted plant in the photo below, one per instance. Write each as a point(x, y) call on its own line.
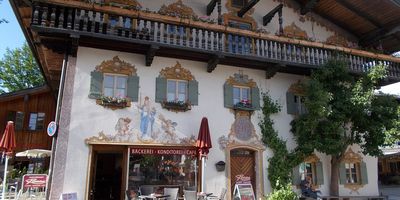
point(244, 104)
point(113, 102)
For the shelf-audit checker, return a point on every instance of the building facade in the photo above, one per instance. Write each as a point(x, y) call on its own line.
point(137, 77)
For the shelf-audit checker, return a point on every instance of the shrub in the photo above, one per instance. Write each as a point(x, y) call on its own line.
point(283, 193)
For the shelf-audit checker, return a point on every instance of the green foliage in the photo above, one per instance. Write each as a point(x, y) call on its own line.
point(284, 192)
point(18, 70)
point(283, 161)
point(343, 110)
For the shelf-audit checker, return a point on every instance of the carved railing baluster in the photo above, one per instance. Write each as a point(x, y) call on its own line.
point(162, 32)
point(200, 39)
point(44, 17)
point(53, 17)
point(69, 18)
point(35, 15)
point(156, 32)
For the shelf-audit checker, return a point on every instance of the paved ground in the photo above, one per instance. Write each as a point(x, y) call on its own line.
point(393, 192)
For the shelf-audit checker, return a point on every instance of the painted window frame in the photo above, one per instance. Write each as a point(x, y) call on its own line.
point(241, 88)
point(349, 173)
point(115, 84)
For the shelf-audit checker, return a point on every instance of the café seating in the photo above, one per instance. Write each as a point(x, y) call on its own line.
point(221, 195)
point(189, 195)
point(172, 193)
point(146, 190)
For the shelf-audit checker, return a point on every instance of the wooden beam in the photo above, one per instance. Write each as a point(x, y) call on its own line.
point(271, 70)
point(378, 34)
point(151, 52)
point(310, 5)
point(247, 7)
point(213, 62)
point(211, 6)
point(268, 17)
point(360, 13)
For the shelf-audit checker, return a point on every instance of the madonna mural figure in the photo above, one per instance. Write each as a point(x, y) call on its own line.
point(147, 116)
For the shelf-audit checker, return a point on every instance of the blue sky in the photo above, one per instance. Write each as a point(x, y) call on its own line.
point(11, 36)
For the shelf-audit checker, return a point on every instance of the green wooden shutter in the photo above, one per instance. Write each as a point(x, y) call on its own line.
point(255, 98)
point(96, 85)
point(291, 105)
point(193, 87)
point(228, 96)
point(296, 179)
point(133, 88)
point(319, 173)
point(342, 173)
point(364, 173)
point(161, 89)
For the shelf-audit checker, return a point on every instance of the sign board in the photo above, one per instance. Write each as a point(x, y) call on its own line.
point(244, 192)
point(34, 181)
point(163, 151)
point(69, 196)
point(51, 128)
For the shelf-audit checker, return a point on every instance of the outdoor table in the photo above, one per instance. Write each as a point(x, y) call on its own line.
point(203, 195)
point(153, 196)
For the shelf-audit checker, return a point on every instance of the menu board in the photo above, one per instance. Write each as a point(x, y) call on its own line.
point(244, 192)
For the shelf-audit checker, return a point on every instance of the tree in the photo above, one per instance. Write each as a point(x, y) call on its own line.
point(344, 110)
point(2, 20)
point(18, 70)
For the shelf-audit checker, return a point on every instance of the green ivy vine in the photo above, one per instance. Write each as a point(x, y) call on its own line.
point(283, 160)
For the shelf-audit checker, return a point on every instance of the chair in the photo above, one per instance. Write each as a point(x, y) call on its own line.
point(172, 192)
point(146, 190)
point(189, 195)
point(221, 195)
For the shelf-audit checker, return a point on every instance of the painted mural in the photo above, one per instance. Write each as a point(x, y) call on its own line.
point(145, 125)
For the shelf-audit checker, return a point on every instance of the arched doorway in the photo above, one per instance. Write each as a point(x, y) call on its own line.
point(242, 164)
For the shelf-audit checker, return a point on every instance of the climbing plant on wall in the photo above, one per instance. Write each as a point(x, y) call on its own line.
point(283, 160)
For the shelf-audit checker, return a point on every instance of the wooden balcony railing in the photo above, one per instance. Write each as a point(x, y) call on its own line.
point(140, 26)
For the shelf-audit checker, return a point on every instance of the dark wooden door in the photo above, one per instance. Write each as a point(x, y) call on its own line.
point(242, 163)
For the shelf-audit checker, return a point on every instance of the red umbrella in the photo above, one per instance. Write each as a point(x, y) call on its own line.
point(7, 143)
point(203, 142)
point(204, 145)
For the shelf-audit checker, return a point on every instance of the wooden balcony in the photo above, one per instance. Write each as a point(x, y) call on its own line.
point(153, 34)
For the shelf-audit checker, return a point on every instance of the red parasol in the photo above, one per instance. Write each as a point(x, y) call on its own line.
point(204, 140)
point(7, 143)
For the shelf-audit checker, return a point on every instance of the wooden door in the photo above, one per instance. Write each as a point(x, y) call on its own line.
point(242, 163)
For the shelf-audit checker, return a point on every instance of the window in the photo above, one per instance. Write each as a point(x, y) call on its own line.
point(394, 167)
point(295, 100)
point(241, 94)
point(114, 85)
point(312, 168)
point(18, 118)
point(239, 25)
point(238, 3)
point(177, 90)
point(352, 172)
point(36, 121)
point(114, 78)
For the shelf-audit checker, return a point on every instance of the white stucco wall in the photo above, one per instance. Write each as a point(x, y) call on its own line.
point(88, 118)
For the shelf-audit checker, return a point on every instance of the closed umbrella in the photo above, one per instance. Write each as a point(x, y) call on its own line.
point(34, 153)
point(7, 145)
point(203, 144)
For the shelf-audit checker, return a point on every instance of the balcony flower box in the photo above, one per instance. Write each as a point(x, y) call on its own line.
point(177, 106)
point(113, 102)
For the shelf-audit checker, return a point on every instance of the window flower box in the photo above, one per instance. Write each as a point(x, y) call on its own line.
point(243, 105)
point(113, 102)
point(176, 105)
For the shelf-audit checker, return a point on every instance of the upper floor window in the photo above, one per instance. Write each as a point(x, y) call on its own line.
point(36, 121)
point(239, 25)
point(353, 171)
point(176, 88)
point(295, 100)
point(115, 85)
point(238, 3)
point(18, 118)
point(240, 92)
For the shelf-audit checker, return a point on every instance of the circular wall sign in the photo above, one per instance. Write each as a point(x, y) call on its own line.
point(51, 128)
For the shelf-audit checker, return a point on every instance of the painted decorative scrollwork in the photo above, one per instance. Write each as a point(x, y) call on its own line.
point(116, 66)
point(177, 9)
point(176, 72)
